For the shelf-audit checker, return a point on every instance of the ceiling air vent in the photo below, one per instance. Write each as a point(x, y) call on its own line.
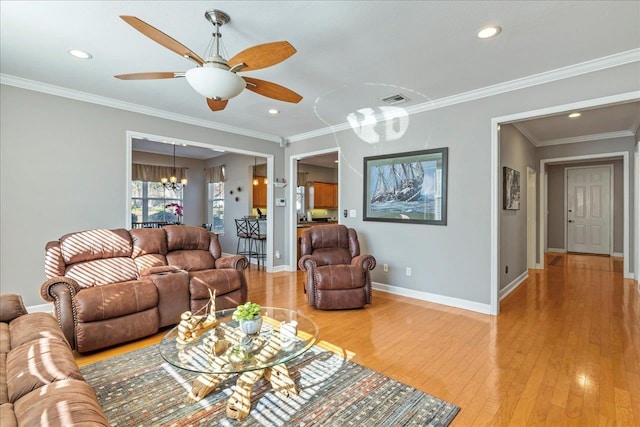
point(395, 99)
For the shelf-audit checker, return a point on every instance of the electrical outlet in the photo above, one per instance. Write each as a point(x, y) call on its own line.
point(277, 254)
point(385, 267)
point(408, 271)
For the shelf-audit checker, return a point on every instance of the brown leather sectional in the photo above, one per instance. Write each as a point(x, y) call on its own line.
point(113, 286)
point(40, 383)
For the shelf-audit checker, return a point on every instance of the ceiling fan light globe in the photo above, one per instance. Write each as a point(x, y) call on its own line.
point(215, 83)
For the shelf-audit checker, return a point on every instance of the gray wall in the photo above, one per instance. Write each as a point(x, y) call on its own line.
point(556, 203)
point(616, 145)
point(319, 173)
point(517, 153)
point(74, 157)
point(239, 175)
point(69, 158)
point(453, 260)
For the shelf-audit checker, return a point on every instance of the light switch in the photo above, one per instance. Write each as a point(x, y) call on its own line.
point(352, 213)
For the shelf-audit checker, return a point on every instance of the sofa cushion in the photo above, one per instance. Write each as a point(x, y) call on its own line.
point(191, 260)
point(223, 281)
point(7, 415)
point(34, 326)
point(115, 299)
point(146, 262)
point(325, 256)
point(11, 306)
point(4, 395)
point(148, 241)
point(5, 338)
point(95, 244)
point(181, 237)
point(102, 271)
point(62, 403)
point(331, 277)
point(37, 363)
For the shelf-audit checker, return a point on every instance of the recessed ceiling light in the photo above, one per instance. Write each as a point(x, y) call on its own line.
point(574, 115)
point(489, 31)
point(80, 54)
point(273, 111)
point(336, 161)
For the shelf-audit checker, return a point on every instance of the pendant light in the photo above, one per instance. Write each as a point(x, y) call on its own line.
point(172, 183)
point(255, 179)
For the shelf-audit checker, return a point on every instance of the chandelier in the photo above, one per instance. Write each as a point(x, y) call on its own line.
point(172, 183)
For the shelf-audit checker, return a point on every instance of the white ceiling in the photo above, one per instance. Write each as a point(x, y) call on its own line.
point(350, 54)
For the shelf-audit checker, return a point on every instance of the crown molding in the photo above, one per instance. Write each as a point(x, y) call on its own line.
point(586, 67)
point(7, 79)
point(526, 133)
point(585, 138)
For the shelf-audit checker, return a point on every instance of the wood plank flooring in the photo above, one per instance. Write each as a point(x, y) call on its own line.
point(565, 350)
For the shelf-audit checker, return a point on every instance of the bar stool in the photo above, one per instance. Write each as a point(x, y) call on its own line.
point(244, 238)
point(258, 237)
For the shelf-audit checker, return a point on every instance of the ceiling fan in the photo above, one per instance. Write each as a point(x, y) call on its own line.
point(215, 77)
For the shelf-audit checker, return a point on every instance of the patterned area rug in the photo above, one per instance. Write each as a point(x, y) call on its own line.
point(140, 388)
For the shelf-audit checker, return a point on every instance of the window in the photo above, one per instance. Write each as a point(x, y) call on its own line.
point(216, 205)
point(148, 201)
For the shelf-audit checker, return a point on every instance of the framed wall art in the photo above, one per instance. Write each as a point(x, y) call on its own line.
point(511, 189)
point(406, 187)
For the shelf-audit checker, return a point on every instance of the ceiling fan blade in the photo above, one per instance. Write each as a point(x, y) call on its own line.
point(263, 55)
point(272, 90)
point(161, 38)
point(151, 76)
point(216, 105)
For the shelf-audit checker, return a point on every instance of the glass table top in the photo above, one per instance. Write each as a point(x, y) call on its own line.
point(225, 349)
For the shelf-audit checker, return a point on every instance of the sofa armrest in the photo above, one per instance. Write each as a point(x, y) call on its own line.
point(11, 306)
point(307, 263)
point(62, 292)
point(145, 272)
point(237, 262)
point(368, 262)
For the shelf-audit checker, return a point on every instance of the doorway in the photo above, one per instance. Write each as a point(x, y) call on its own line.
point(589, 209)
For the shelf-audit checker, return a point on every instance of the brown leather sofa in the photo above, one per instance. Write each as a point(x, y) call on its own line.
point(40, 383)
point(113, 286)
point(336, 275)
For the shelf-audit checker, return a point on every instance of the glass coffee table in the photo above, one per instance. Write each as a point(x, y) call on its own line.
point(223, 349)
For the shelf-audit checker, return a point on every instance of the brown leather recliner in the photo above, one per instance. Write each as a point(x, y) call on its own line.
point(336, 275)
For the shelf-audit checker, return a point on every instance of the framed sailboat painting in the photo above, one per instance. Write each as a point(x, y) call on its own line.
point(406, 187)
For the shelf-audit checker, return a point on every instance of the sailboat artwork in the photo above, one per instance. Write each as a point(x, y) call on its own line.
point(407, 187)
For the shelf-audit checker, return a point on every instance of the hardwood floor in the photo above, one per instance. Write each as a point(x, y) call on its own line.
point(564, 351)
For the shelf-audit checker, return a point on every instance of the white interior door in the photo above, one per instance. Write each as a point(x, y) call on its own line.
point(589, 210)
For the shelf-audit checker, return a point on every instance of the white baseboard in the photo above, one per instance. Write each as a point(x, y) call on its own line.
point(40, 308)
point(562, 251)
point(617, 254)
point(438, 299)
point(513, 285)
point(629, 275)
point(279, 268)
point(539, 267)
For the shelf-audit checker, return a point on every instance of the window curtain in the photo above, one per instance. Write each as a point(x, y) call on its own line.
point(215, 174)
point(302, 179)
point(154, 173)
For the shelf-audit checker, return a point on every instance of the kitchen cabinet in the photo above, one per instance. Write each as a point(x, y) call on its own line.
point(322, 195)
point(260, 193)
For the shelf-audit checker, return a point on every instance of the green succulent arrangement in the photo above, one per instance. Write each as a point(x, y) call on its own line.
point(247, 311)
